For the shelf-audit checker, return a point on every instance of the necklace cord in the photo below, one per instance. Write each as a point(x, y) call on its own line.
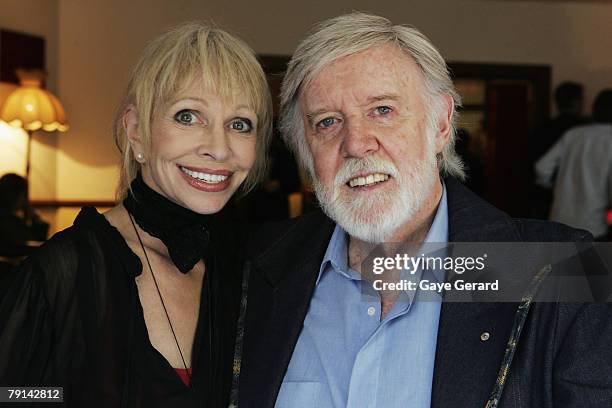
point(160, 297)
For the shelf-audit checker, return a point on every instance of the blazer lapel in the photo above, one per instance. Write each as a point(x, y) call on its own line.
point(279, 296)
point(471, 336)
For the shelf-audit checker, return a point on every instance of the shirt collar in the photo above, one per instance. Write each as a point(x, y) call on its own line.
point(336, 254)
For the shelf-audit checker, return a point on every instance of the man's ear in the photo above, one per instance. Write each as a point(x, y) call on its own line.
point(130, 125)
point(444, 122)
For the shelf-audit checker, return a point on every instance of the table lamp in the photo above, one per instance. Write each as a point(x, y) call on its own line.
point(32, 108)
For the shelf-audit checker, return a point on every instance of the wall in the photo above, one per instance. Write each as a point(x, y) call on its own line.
point(98, 42)
point(570, 36)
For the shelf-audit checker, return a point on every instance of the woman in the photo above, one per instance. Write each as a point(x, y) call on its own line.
point(137, 307)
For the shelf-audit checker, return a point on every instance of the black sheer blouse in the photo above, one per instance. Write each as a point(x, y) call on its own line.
point(73, 318)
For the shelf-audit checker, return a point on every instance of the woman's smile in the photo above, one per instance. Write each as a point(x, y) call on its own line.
point(206, 179)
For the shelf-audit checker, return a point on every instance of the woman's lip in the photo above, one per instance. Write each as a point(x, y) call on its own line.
point(208, 171)
point(204, 186)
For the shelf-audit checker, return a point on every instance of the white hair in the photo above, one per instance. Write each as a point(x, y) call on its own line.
point(352, 33)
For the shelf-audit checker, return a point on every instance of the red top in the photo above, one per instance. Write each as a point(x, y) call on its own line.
point(185, 375)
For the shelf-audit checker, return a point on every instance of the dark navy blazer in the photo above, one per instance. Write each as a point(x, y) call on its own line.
point(563, 359)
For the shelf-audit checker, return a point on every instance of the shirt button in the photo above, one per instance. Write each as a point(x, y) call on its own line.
point(485, 336)
point(371, 310)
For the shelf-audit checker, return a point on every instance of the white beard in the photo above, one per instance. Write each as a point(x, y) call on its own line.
point(374, 217)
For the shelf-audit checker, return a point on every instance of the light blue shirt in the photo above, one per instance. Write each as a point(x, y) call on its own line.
point(346, 357)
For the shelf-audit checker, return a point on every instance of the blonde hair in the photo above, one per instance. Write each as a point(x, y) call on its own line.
point(188, 52)
point(352, 33)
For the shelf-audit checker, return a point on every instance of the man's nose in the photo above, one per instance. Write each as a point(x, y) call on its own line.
point(214, 143)
point(358, 140)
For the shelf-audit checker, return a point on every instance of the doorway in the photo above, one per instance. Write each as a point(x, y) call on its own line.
point(501, 106)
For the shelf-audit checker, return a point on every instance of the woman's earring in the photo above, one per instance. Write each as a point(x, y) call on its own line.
point(140, 157)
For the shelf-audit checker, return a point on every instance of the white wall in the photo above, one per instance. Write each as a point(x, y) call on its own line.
point(573, 36)
point(100, 40)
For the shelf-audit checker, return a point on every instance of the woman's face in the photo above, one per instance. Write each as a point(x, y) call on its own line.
point(202, 148)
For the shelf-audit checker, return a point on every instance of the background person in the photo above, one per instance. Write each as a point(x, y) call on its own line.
point(569, 101)
point(18, 221)
point(137, 307)
point(582, 162)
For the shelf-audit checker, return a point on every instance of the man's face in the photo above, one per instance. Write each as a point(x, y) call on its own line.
point(374, 154)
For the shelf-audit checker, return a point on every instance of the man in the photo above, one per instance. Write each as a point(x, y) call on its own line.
point(569, 101)
point(582, 160)
point(368, 108)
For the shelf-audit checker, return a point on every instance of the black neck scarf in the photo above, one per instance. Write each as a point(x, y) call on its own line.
point(184, 232)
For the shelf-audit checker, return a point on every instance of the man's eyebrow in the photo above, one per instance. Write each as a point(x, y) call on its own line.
point(371, 99)
point(383, 97)
point(316, 112)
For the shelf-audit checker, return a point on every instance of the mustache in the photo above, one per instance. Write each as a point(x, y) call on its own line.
point(369, 164)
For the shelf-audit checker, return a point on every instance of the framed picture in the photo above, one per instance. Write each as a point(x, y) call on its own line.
point(19, 50)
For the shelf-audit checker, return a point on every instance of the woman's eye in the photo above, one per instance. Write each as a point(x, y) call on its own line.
point(186, 117)
point(383, 110)
point(325, 123)
point(241, 125)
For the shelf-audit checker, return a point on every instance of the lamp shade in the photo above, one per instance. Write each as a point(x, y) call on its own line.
point(30, 107)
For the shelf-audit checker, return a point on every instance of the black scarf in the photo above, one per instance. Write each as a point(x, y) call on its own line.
point(184, 232)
